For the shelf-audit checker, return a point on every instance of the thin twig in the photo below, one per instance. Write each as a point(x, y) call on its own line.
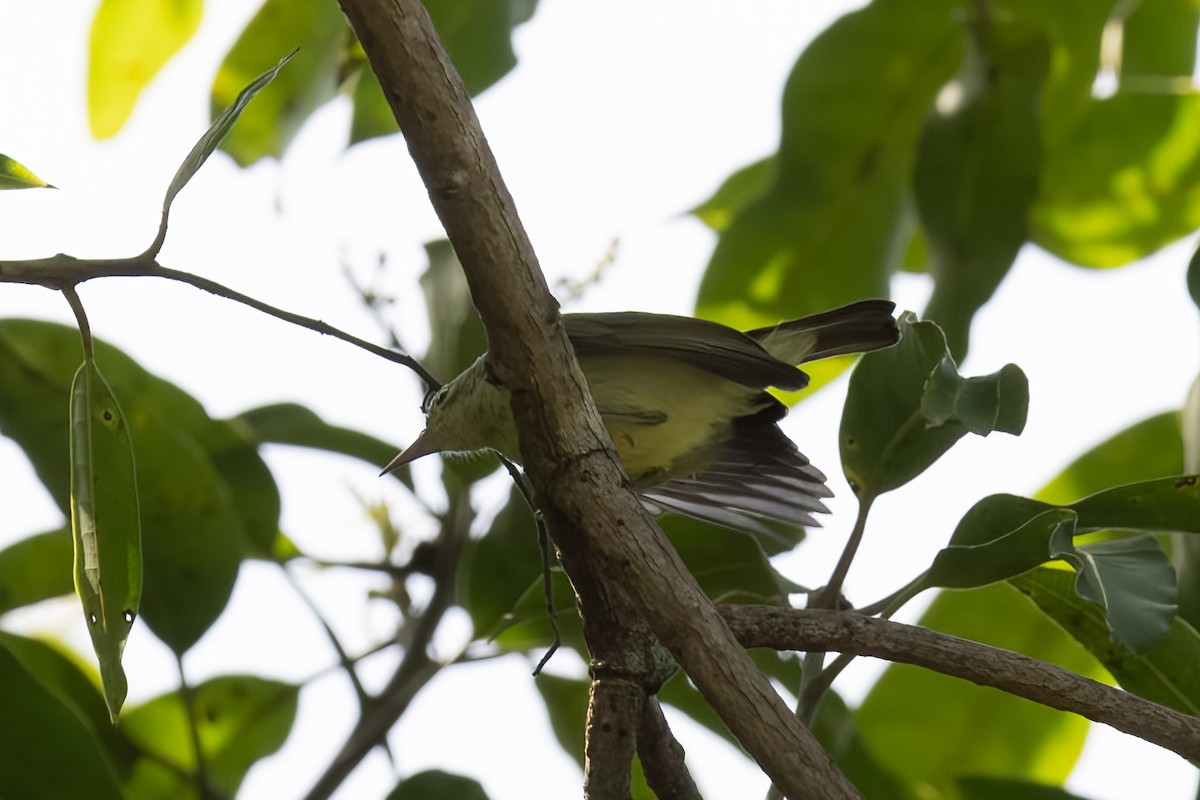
point(85, 330)
point(187, 694)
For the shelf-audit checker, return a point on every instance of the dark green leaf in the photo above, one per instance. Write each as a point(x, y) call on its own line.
point(457, 337)
point(1166, 674)
point(965, 563)
point(977, 170)
point(293, 424)
point(434, 784)
point(14, 175)
point(478, 36)
point(1163, 504)
point(372, 115)
point(1159, 41)
point(991, 787)
point(566, 702)
point(499, 567)
point(832, 225)
point(907, 406)
point(105, 524)
point(1193, 278)
point(318, 30)
point(50, 750)
point(836, 730)
point(240, 719)
point(35, 568)
point(730, 567)
point(970, 728)
point(1119, 184)
point(130, 42)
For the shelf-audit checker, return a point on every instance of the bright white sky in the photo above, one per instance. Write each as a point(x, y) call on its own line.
point(620, 116)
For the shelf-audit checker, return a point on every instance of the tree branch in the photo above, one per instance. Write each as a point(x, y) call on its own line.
point(662, 756)
point(593, 516)
point(1017, 674)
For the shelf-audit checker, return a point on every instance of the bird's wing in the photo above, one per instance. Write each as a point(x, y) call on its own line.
point(856, 328)
point(705, 345)
point(758, 475)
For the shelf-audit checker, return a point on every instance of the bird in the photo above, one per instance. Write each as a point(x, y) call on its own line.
point(685, 401)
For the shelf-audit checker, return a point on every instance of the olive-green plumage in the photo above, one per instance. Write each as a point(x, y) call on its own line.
point(685, 403)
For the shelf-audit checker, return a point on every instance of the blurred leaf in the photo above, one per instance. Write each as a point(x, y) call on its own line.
point(526, 627)
point(735, 193)
point(105, 524)
point(1167, 674)
point(478, 36)
point(977, 171)
point(50, 750)
point(731, 567)
point(293, 424)
point(1131, 579)
point(1185, 549)
point(1193, 278)
point(63, 674)
point(317, 32)
point(907, 406)
point(36, 568)
point(832, 225)
point(1159, 41)
point(1122, 180)
point(192, 533)
point(1148, 449)
point(836, 730)
point(566, 702)
point(933, 743)
point(130, 42)
point(14, 175)
point(372, 116)
point(991, 787)
point(498, 568)
point(434, 784)
point(254, 494)
point(457, 337)
point(240, 719)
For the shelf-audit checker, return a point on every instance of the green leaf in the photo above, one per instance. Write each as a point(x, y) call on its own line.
point(316, 32)
point(204, 147)
point(239, 718)
point(1158, 41)
point(977, 171)
point(907, 406)
point(1122, 181)
point(64, 674)
point(735, 194)
point(1162, 504)
point(15, 175)
point(500, 567)
point(566, 702)
point(833, 223)
point(105, 524)
point(50, 750)
point(1166, 674)
point(1132, 579)
point(457, 337)
point(1148, 449)
point(434, 784)
point(193, 534)
point(930, 729)
point(972, 559)
point(130, 42)
point(478, 36)
point(293, 424)
point(36, 568)
point(731, 567)
point(372, 115)
point(992, 787)
point(836, 730)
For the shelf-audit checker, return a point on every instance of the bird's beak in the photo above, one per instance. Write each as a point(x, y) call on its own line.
point(428, 442)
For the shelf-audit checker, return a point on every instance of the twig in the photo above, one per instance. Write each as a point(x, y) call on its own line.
point(85, 330)
point(1017, 674)
point(187, 695)
point(662, 756)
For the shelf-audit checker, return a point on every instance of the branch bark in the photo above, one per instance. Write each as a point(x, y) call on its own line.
point(1021, 675)
point(592, 515)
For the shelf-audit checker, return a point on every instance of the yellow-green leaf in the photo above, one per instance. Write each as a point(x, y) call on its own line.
point(105, 524)
point(15, 175)
point(130, 42)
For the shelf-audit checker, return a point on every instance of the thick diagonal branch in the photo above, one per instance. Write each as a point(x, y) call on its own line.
point(578, 481)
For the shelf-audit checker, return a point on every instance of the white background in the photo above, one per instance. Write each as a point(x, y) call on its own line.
point(620, 116)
